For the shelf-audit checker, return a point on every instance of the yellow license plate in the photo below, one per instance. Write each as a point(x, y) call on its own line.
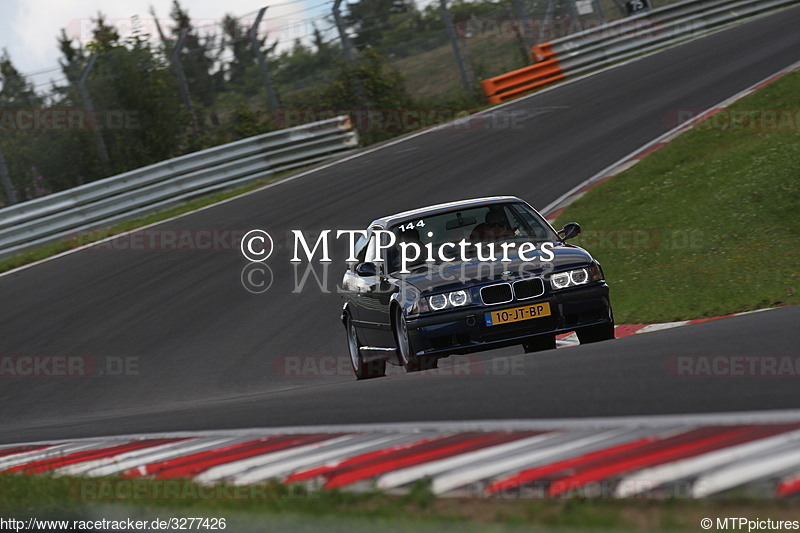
point(526, 312)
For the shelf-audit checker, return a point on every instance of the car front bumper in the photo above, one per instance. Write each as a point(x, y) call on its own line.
point(465, 331)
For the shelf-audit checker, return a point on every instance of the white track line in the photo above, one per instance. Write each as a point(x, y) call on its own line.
point(740, 474)
point(229, 471)
point(109, 466)
point(658, 327)
point(465, 476)
point(317, 458)
point(59, 450)
point(569, 340)
point(656, 476)
point(400, 441)
point(404, 476)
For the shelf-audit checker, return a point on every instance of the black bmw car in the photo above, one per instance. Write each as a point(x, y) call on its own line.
point(464, 277)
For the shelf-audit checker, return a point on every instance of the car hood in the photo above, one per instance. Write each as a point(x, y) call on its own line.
point(440, 277)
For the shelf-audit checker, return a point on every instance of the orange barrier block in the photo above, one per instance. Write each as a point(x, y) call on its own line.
point(543, 52)
point(518, 82)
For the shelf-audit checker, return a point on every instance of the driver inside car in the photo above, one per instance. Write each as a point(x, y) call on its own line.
point(495, 228)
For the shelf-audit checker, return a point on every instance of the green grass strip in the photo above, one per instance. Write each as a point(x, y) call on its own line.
point(707, 225)
point(249, 508)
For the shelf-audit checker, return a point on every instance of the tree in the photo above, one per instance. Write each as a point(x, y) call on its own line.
point(194, 56)
point(242, 70)
point(105, 38)
point(301, 66)
point(325, 51)
point(239, 45)
point(135, 96)
point(74, 56)
point(369, 19)
point(16, 91)
point(16, 95)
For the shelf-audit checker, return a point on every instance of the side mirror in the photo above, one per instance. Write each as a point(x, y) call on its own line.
point(570, 230)
point(366, 269)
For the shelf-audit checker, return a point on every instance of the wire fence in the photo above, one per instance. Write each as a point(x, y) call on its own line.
point(145, 89)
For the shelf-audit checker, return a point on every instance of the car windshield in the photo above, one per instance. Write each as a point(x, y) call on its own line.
point(509, 222)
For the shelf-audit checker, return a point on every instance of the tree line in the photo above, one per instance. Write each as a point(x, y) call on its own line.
point(52, 141)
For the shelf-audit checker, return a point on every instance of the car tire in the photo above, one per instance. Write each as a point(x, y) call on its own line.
point(540, 343)
point(362, 369)
point(600, 332)
point(405, 355)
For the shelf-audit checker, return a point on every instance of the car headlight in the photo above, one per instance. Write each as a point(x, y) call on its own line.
point(457, 298)
point(572, 278)
point(579, 277)
point(560, 280)
point(448, 300)
point(438, 302)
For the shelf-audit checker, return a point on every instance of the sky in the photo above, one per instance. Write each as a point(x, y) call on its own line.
point(29, 28)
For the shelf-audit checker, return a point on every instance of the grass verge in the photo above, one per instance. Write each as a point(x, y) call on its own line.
point(708, 224)
point(70, 498)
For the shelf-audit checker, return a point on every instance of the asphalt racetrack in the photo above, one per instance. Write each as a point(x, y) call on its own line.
point(176, 342)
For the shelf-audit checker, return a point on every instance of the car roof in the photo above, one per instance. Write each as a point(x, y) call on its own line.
point(441, 208)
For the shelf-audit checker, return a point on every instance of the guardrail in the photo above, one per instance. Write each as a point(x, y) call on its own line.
point(168, 183)
point(616, 41)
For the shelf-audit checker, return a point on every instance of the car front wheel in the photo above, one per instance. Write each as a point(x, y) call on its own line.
point(362, 369)
point(410, 361)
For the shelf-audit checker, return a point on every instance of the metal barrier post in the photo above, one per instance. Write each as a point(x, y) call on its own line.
point(6, 179)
